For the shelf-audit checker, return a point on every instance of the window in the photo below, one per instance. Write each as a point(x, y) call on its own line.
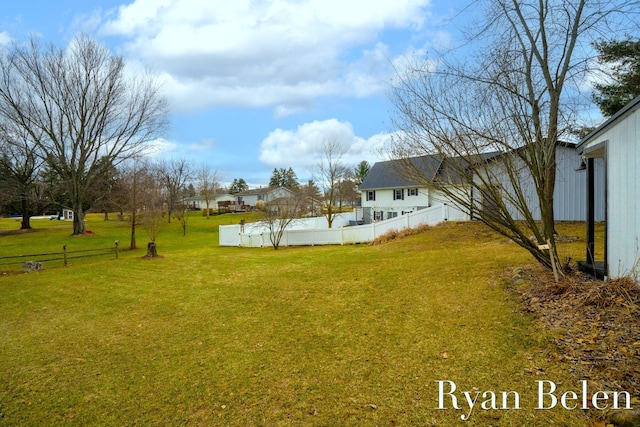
point(412, 192)
point(392, 215)
point(378, 215)
point(398, 194)
point(371, 195)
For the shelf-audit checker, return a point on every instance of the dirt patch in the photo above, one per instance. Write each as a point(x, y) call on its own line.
point(594, 325)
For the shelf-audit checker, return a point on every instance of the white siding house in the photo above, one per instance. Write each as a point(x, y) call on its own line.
point(266, 195)
point(617, 141)
point(386, 193)
point(198, 202)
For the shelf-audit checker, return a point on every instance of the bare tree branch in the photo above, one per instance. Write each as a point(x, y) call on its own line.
point(78, 106)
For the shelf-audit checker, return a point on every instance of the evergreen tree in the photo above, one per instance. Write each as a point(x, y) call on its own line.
point(286, 178)
point(238, 186)
point(276, 178)
point(291, 180)
point(360, 172)
point(622, 58)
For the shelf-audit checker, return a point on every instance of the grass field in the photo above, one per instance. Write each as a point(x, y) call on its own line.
point(329, 336)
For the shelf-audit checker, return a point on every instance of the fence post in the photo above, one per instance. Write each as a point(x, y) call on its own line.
point(117, 243)
point(64, 254)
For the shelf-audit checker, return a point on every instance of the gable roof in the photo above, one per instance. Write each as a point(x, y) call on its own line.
point(262, 191)
point(616, 117)
point(388, 174)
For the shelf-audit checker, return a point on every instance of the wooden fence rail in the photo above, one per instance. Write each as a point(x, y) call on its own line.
point(65, 255)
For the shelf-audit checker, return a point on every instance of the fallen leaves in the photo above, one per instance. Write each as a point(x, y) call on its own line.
point(594, 325)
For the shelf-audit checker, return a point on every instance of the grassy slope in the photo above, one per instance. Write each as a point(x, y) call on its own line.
point(353, 335)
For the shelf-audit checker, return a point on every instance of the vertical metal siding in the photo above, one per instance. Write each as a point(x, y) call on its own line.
point(623, 193)
point(570, 196)
point(623, 228)
point(569, 201)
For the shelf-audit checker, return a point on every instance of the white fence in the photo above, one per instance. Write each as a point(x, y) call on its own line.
point(314, 231)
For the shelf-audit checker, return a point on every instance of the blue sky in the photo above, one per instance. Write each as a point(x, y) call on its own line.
point(255, 85)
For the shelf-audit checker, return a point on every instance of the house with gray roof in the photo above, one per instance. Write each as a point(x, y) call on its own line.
point(391, 188)
point(251, 197)
point(388, 192)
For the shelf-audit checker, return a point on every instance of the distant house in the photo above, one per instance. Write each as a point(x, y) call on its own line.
point(617, 142)
point(251, 198)
point(198, 202)
point(387, 192)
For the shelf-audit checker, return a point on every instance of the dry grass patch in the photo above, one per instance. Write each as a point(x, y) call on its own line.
point(397, 234)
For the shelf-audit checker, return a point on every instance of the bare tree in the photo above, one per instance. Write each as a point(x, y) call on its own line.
point(311, 198)
point(136, 189)
point(181, 213)
point(19, 168)
point(152, 212)
point(78, 107)
point(278, 214)
point(495, 124)
point(174, 175)
point(330, 172)
point(206, 185)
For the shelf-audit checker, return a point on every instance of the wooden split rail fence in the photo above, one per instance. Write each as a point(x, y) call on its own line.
point(65, 255)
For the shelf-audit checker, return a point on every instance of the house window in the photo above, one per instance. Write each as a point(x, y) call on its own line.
point(371, 195)
point(378, 215)
point(412, 192)
point(392, 215)
point(398, 194)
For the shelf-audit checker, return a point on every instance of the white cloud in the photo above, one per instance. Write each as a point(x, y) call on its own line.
point(205, 145)
point(5, 38)
point(159, 148)
point(280, 53)
point(301, 148)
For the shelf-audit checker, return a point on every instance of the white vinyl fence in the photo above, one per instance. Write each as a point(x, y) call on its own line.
point(314, 231)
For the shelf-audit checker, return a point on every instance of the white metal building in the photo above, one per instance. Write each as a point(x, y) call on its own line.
point(617, 141)
point(569, 198)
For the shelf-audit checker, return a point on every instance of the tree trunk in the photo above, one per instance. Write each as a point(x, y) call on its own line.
point(78, 220)
point(132, 244)
point(26, 221)
point(152, 252)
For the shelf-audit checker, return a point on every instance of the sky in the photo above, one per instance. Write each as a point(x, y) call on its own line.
point(255, 85)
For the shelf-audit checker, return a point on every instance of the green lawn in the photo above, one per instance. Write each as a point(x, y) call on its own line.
point(337, 335)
